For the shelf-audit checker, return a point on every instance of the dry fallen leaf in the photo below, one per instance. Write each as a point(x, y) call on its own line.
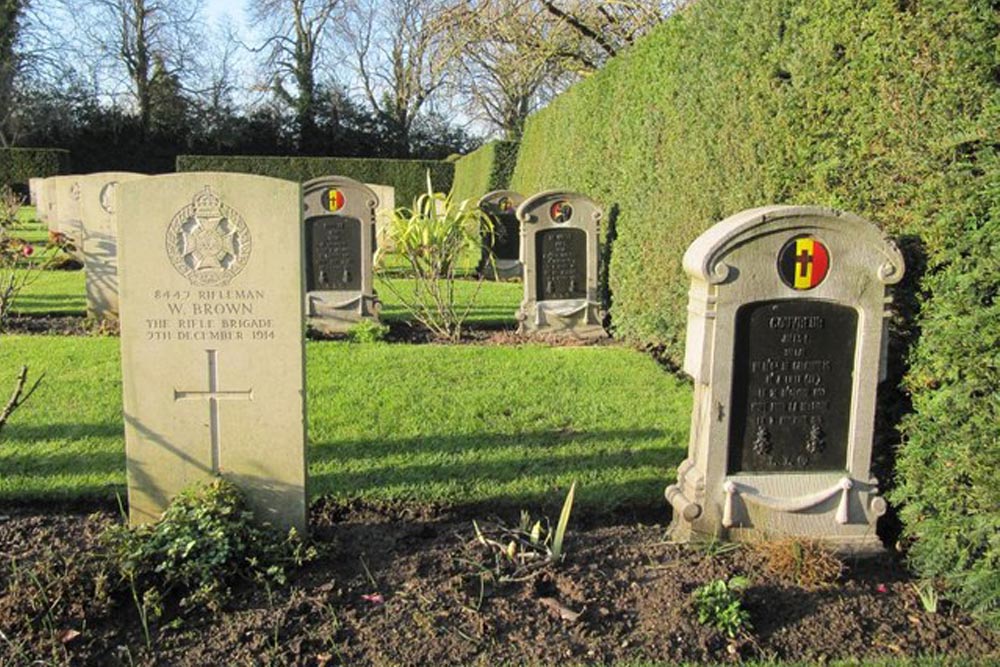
point(66, 636)
point(565, 613)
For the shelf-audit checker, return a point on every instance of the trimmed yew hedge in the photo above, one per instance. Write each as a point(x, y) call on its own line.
point(409, 177)
point(889, 109)
point(17, 165)
point(485, 169)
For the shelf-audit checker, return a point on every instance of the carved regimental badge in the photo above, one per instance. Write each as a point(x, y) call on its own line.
point(207, 241)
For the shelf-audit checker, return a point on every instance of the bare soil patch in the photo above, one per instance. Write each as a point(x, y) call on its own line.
point(406, 585)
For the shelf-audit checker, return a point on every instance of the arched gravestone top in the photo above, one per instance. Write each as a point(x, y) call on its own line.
point(340, 228)
point(501, 207)
point(494, 201)
point(786, 344)
point(560, 250)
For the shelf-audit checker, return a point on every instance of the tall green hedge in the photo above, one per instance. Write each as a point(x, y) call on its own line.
point(949, 468)
point(409, 177)
point(886, 108)
point(485, 169)
point(17, 165)
point(858, 105)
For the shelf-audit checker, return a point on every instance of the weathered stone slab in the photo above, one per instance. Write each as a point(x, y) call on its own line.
point(100, 241)
point(34, 186)
point(383, 214)
point(211, 280)
point(42, 200)
point(560, 250)
point(786, 344)
point(340, 218)
point(65, 212)
point(501, 207)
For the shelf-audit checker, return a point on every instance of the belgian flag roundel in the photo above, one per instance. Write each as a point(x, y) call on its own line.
point(803, 263)
point(333, 200)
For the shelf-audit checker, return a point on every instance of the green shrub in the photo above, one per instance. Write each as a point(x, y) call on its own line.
point(430, 241)
point(17, 165)
point(949, 467)
point(485, 169)
point(407, 176)
point(207, 540)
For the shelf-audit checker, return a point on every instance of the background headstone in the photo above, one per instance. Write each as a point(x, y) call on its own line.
point(48, 207)
point(501, 207)
point(42, 200)
point(383, 214)
point(786, 344)
point(65, 209)
point(34, 186)
point(100, 241)
point(560, 247)
point(340, 239)
point(211, 278)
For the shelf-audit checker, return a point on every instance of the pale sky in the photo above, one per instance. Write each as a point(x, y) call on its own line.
point(217, 8)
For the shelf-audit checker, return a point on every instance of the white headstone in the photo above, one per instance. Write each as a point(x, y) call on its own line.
point(100, 241)
point(212, 335)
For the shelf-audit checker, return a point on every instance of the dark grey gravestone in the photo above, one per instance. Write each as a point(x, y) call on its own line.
point(339, 248)
point(501, 207)
point(786, 337)
point(560, 251)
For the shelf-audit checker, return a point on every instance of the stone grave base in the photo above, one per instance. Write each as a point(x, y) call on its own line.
point(828, 508)
point(573, 318)
point(504, 269)
point(333, 314)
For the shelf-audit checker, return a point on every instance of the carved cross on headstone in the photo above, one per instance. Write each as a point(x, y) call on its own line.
point(214, 395)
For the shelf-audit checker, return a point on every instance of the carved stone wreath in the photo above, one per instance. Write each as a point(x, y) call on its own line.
point(207, 241)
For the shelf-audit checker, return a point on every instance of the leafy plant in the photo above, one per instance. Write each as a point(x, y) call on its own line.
point(207, 540)
point(719, 604)
point(928, 594)
point(513, 553)
point(560, 534)
point(367, 331)
point(430, 239)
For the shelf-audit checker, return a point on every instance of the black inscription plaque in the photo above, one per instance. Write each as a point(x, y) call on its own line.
point(333, 246)
point(792, 381)
point(561, 263)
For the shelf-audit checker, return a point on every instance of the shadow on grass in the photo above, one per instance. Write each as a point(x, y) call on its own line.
point(554, 453)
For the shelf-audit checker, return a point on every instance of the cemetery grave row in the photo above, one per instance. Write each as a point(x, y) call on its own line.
point(786, 340)
point(551, 240)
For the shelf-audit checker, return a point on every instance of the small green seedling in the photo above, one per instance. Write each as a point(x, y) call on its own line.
point(718, 604)
point(928, 594)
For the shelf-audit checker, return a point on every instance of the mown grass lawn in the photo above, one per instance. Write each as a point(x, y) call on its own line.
point(507, 425)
